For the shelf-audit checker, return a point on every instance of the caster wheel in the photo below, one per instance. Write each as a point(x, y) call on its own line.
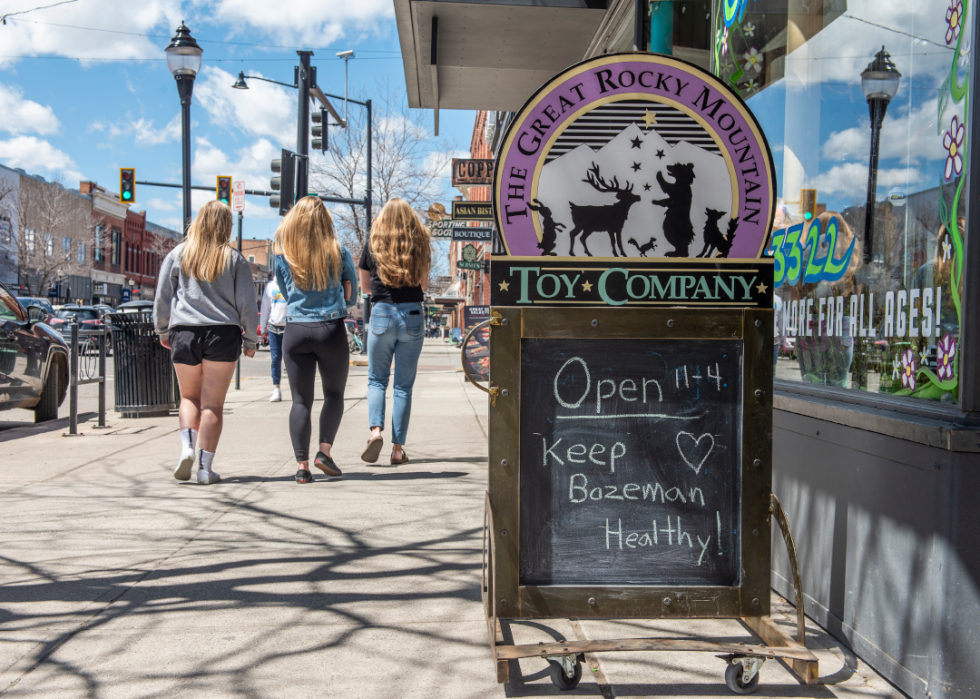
point(563, 681)
point(733, 678)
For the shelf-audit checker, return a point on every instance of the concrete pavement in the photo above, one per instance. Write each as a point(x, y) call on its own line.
point(118, 581)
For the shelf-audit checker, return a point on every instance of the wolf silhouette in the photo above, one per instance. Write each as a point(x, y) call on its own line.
point(549, 228)
point(645, 248)
point(678, 229)
point(713, 238)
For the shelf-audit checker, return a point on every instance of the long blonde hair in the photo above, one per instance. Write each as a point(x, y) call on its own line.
point(307, 241)
point(400, 245)
point(207, 252)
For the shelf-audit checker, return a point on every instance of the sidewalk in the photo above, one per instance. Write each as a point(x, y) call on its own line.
point(118, 581)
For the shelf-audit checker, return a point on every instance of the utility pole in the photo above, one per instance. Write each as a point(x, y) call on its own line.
point(304, 79)
point(367, 239)
point(238, 367)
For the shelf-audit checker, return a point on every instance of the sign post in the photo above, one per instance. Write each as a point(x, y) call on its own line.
point(631, 370)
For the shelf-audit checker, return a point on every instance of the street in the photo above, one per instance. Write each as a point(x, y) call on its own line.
point(119, 581)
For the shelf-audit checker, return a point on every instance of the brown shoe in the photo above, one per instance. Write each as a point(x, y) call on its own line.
point(403, 460)
point(373, 449)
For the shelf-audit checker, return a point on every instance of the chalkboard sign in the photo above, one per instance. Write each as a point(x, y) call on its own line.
point(630, 462)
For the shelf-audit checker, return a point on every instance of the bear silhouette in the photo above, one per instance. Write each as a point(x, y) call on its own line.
point(678, 229)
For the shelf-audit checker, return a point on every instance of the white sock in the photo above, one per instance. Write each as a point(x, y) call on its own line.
point(206, 458)
point(188, 439)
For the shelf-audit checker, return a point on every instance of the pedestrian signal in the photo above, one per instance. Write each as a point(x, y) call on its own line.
point(127, 185)
point(223, 189)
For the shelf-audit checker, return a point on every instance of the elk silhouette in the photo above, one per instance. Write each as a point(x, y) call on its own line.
point(713, 238)
point(549, 228)
point(645, 248)
point(607, 217)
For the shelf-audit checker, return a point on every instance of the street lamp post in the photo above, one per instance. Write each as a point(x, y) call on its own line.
point(879, 82)
point(184, 61)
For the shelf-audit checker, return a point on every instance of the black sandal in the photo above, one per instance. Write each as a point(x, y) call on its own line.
point(303, 475)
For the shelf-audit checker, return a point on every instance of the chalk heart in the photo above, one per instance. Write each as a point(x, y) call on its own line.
point(695, 450)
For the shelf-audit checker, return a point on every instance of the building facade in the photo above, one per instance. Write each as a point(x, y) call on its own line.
point(9, 197)
point(109, 221)
point(868, 108)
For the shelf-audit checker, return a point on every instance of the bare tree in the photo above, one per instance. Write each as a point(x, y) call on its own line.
point(53, 236)
point(8, 210)
point(408, 163)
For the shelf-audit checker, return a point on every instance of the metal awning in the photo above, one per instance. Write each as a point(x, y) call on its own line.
point(489, 54)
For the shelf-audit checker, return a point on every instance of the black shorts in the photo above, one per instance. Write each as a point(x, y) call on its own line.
point(189, 344)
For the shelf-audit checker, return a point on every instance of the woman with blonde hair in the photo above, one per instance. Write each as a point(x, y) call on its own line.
point(315, 274)
point(395, 265)
point(205, 301)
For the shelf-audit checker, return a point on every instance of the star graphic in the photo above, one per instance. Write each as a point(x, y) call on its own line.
point(504, 286)
point(587, 286)
point(649, 119)
point(636, 167)
point(660, 154)
point(646, 188)
point(761, 288)
point(636, 142)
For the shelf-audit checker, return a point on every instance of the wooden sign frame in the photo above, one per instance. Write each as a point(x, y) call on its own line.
point(750, 598)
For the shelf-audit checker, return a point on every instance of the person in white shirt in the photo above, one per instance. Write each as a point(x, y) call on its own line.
point(273, 327)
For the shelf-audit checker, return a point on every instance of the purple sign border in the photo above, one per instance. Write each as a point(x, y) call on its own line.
point(630, 75)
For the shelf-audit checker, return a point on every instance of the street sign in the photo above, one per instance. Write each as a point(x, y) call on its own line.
point(481, 234)
point(472, 211)
point(124, 295)
point(238, 196)
point(467, 171)
point(470, 258)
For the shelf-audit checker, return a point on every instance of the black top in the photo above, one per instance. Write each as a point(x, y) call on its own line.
point(380, 292)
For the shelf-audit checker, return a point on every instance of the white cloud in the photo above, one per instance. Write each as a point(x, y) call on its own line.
point(163, 205)
point(264, 110)
point(20, 116)
point(249, 164)
point(906, 135)
point(853, 177)
point(148, 134)
point(312, 22)
point(33, 154)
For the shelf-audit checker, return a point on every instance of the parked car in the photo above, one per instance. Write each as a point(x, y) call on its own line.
point(33, 360)
point(88, 318)
point(28, 301)
point(103, 308)
point(134, 307)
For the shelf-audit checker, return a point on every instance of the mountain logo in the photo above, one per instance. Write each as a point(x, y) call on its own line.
point(639, 147)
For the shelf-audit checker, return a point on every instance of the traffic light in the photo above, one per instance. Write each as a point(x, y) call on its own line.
point(223, 189)
point(285, 183)
point(320, 130)
point(127, 185)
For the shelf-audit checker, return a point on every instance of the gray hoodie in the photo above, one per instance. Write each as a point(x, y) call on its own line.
point(228, 300)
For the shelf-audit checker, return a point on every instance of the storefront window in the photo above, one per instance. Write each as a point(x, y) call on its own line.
point(868, 269)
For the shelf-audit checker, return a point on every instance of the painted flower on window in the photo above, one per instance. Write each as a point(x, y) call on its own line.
point(954, 20)
point(748, 29)
point(945, 351)
point(724, 41)
point(753, 60)
point(908, 369)
point(953, 143)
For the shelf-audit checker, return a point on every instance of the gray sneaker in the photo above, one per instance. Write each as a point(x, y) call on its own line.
point(207, 477)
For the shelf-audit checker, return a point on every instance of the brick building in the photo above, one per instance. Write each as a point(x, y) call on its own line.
point(109, 221)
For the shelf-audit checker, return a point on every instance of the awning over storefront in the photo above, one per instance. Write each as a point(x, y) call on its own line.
point(489, 54)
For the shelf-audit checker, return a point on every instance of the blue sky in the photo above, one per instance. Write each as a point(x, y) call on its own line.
point(118, 107)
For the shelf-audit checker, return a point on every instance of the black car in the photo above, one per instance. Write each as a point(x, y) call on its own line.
point(33, 360)
point(88, 318)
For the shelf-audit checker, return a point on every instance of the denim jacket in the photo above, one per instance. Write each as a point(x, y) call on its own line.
point(317, 304)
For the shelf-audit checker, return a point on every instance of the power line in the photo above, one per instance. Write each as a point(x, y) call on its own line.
point(3, 19)
point(200, 41)
point(210, 60)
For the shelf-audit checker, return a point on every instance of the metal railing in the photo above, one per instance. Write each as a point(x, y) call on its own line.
point(79, 375)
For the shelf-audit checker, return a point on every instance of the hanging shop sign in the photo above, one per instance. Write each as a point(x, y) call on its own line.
point(470, 258)
point(441, 229)
point(472, 211)
point(481, 234)
point(472, 171)
point(642, 166)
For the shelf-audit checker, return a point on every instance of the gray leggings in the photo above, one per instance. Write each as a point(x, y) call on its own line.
point(305, 348)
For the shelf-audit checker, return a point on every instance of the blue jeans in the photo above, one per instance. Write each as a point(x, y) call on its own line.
point(394, 331)
point(275, 349)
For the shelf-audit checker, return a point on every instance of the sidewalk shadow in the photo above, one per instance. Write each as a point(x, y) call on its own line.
point(358, 476)
point(12, 429)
